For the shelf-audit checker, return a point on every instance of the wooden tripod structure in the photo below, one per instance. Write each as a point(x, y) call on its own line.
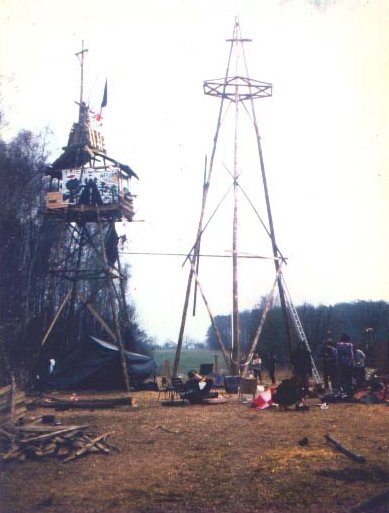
point(88, 194)
point(234, 90)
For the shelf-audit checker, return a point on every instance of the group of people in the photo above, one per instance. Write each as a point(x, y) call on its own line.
point(198, 387)
point(343, 364)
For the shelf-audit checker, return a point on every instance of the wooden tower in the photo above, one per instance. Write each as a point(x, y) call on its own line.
point(88, 193)
point(237, 92)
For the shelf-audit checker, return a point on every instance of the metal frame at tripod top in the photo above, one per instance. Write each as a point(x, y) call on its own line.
point(237, 88)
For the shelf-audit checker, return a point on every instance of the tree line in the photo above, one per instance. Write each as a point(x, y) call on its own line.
point(363, 321)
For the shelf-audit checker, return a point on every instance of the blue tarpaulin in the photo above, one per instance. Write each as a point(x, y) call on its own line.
point(95, 363)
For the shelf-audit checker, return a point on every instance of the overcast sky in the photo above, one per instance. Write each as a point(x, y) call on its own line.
point(325, 135)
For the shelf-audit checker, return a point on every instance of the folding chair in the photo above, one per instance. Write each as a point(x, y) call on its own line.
point(162, 386)
point(247, 386)
point(177, 388)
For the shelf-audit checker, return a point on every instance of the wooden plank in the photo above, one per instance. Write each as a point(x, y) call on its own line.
point(51, 434)
point(32, 428)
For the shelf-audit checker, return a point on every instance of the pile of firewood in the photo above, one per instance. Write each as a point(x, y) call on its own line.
point(20, 442)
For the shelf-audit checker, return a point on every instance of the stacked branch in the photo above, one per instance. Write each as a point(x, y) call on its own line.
point(37, 441)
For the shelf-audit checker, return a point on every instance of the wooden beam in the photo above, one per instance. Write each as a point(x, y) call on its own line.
point(59, 311)
point(97, 316)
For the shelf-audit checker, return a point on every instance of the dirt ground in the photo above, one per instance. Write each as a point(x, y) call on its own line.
point(226, 458)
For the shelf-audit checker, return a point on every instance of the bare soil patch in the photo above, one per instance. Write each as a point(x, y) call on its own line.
point(225, 458)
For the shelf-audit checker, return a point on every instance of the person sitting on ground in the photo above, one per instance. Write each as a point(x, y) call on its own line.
point(197, 387)
point(285, 394)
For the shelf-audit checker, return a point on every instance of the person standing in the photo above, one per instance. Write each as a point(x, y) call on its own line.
point(271, 367)
point(302, 368)
point(345, 362)
point(328, 359)
point(256, 366)
point(359, 367)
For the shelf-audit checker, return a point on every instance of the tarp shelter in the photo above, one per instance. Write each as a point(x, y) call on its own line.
point(96, 364)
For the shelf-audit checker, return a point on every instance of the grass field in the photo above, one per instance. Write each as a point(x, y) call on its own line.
point(190, 359)
point(193, 358)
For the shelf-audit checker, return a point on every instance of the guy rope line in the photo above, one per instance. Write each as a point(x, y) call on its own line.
point(155, 253)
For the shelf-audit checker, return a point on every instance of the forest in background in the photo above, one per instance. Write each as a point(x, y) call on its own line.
point(28, 300)
point(364, 321)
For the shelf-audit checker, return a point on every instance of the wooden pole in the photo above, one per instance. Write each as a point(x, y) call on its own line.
point(56, 316)
point(197, 252)
point(235, 360)
point(263, 319)
point(271, 228)
point(218, 334)
point(200, 225)
point(80, 56)
point(97, 316)
point(71, 334)
point(111, 289)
